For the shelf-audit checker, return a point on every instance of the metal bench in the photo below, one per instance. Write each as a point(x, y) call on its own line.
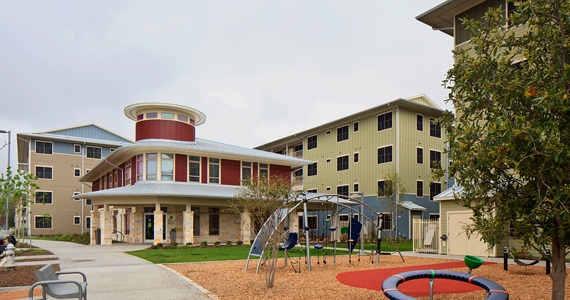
point(57, 288)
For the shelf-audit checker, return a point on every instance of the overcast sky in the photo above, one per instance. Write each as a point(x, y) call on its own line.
point(259, 70)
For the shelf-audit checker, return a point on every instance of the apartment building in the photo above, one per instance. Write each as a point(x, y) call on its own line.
point(355, 155)
point(59, 158)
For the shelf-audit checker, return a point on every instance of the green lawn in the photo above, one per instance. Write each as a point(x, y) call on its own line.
point(219, 253)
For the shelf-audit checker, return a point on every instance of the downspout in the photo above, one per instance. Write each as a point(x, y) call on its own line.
point(397, 158)
point(83, 188)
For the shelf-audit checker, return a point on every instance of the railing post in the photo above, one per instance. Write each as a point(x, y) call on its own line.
point(547, 262)
point(506, 259)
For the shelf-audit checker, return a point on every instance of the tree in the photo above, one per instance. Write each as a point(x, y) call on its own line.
point(16, 188)
point(260, 198)
point(391, 193)
point(510, 139)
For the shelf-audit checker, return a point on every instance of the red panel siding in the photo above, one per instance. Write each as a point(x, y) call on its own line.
point(230, 172)
point(204, 174)
point(166, 130)
point(133, 170)
point(254, 170)
point(95, 186)
point(280, 171)
point(181, 162)
point(121, 174)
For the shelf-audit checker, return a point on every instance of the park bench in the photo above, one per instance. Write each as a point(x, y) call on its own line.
point(57, 288)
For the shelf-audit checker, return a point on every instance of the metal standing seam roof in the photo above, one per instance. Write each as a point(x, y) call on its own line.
point(449, 194)
point(70, 138)
point(411, 206)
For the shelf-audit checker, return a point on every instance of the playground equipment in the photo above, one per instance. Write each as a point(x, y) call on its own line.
point(390, 286)
point(274, 224)
point(472, 262)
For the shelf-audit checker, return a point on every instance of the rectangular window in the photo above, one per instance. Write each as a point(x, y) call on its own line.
point(43, 221)
point(342, 190)
point(44, 172)
point(434, 128)
point(93, 152)
point(356, 157)
point(183, 118)
point(214, 226)
point(264, 170)
point(194, 168)
point(116, 178)
point(387, 220)
point(139, 166)
point(312, 169)
point(342, 163)
point(355, 187)
point(381, 187)
point(355, 126)
point(384, 154)
point(44, 147)
point(313, 221)
point(87, 222)
point(312, 191)
point(419, 155)
point(419, 188)
point(76, 172)
point(128, 172)
point(214, 168)
point(420, 122)
point(151, 166)
point(110, 180)
point(435, 159)
point(88, 202)
point(77, 148)
point(151, 115)
point(44, 197)
point(246, 172)
point(168, 116)
point(434, 189)
point(196, 211)
point(385, 121)
point(76, 220)
point(342, 133)
point(166, 167)
point(312, 142)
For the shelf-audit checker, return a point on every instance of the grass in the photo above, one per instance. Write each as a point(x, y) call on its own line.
point(220, 253)
point(74, 238)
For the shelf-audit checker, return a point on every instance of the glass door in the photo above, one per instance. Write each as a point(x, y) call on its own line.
point(149, 227)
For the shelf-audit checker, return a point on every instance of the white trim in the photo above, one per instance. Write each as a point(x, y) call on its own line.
point(77, 217)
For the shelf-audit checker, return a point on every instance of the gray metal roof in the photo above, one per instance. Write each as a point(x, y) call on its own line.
point(411, 206)
point(75, 139)
point(449, 194)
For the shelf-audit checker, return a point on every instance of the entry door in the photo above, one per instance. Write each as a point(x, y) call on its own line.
point(458, 242)
point(149, 227)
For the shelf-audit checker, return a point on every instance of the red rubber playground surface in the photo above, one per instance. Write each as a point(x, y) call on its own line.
point(373, 279)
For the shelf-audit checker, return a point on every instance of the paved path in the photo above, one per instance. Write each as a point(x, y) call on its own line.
point(113, 274)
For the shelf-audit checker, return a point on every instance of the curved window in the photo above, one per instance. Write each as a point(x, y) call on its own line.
point(151, 166)
point(167, 167)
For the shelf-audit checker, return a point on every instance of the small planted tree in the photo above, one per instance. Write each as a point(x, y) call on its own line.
point(261, 198)
point(391, 193)
point(17, 189)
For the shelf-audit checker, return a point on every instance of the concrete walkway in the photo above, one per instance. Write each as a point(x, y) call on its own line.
point(113, 274)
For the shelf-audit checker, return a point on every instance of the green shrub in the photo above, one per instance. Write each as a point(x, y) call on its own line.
point(239, 243)
point(160, 245)
point(189, 244)
point(229, 243)
point(204, 244)
point(217, 243)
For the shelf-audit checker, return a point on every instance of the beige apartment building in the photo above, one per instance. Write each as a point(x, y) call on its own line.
point(59, 158)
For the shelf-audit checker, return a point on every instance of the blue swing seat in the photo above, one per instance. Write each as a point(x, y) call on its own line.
point(290, 243)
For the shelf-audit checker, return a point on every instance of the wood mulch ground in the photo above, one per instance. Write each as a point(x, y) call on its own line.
point(228, 280)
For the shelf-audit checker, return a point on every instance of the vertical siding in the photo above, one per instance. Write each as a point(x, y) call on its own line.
point(181, 166)
point(230, 171)
point(133, 169)
point(165, 129)
point(204, 165)
point(280, 171)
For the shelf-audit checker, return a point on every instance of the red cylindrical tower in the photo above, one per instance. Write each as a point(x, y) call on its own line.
point(164, 121)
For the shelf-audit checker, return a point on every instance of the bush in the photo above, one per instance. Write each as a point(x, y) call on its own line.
point(217, 243)
point(239, 243)
point(204, 244)
point(189, 244)
point(229, 243)
point(160, 245)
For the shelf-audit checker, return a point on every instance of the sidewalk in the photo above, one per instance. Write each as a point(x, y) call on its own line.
point(113, 274)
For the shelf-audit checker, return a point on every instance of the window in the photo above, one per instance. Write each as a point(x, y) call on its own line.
point(196, 211)
point(104, 179)
point(434, 189)
point(384, 154)
point(264, 170)
point(76, 220)
point(183, 118)
point(87, 222)
point(313, 221)
point(93, 152)
point(382, 187)
point(76, 172)
point(44, 147)
point(140, 117)
point(166, 167)
point(435, 159)
point(128, 172)
point(112, 149)
point(312, 142)
point(214, 168)
point(419, 155)
point(342, 190)
point(420, 122)
point(110, 180)
point(385, 121)
point(419, 188)
point(151, 115)
point(245, 172)
point(312, 191)
point(434, 128)
point(434, 217)
point(139, 166)
point(44, 197)
point(298, 150)
point(194, 169)
point(312, 169)
point(44, 172)
point(355, 187)
point(151, 166)
point(77, 148)
point(87, 171)
point(342, 163)
point(386, 220)
point(214, 214)
point(43, 221)
point(169, 116)
point(356, 157)
point(116, 178)
point(88, 202)
point(355, 126)
point(342, 133)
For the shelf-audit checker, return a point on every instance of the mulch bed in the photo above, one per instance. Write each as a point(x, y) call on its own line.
point(20, 275)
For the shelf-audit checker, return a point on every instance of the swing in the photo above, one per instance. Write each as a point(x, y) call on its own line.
point(318, 246)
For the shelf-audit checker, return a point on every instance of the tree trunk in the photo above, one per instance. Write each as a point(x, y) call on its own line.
point(271, 265)
point(558, 274)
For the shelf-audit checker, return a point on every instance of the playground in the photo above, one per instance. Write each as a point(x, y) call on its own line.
point(228, 280)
